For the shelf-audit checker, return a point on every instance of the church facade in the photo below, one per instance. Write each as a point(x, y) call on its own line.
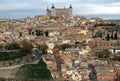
point(67, 12)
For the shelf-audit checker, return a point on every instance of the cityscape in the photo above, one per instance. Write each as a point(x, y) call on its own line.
point(61, 42)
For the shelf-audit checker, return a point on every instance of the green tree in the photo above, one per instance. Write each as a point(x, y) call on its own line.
point(2, 79)
point(26, 47)
point(116, 58)
point(47, 33)
point(12, 46)
point(58, 47)
point(111, 24)
point(108, 37)
point(43, 47)
point(112, 37)
point(63, 46)
point(103, 54)
point(100, 35)
point(38, 32)
point(38, 71)
point(115, 36)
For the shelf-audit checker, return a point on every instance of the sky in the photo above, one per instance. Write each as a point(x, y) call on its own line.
point(108, 9)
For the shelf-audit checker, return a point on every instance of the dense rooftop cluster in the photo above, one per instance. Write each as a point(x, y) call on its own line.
point(79, 48)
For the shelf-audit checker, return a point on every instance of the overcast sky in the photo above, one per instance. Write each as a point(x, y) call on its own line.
point(23, 8)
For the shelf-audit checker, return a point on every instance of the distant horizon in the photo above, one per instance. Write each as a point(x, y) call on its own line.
point(19, 14)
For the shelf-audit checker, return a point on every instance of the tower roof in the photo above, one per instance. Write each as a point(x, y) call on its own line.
point(47, 9)
point(70, 6)
point(53, 6)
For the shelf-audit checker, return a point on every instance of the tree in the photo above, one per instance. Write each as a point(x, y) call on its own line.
point(38, 32)
point(115, 36)
point(12, 46)
point(43, 47)
point(38, 71)
point(111, 24)
point(47, 33)
point(2, 79)
point(57, 46)
point(108, 37)
point(103, 54)
point(63, 46)
point(101, 35)
point(4, 55)
point(112, 37)
point(116, 58)
point(26, 47)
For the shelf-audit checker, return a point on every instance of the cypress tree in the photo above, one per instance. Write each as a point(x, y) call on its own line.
point(47, 33)
point(115, 36)
point(101, 35)
point(112, 37)
point(108, 37)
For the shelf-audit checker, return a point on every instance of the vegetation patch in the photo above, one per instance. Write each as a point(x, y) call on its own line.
point(16, 50)
point(63, 46)
point(5, 56)
point(111, 24)
point(38, 71)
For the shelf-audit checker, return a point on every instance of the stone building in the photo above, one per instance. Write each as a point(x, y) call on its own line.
point(67, 12)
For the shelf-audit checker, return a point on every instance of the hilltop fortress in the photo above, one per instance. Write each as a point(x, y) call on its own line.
point(67, 12)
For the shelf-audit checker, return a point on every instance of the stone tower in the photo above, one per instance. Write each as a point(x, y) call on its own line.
point(48, 12)
point(70, 10)
point(53, 13)
point(67, 12)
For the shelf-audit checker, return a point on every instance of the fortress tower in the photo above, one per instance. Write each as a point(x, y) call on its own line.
point(67, 12)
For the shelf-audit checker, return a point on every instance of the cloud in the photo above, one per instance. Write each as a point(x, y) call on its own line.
point(95, 9)
point(20, 5)
point(96, 1)
point(80, 7)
